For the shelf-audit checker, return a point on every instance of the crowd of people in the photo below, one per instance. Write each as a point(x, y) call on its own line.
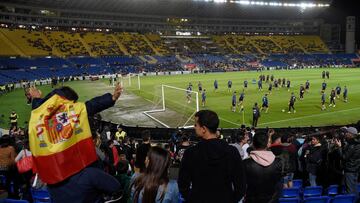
point(249, 166)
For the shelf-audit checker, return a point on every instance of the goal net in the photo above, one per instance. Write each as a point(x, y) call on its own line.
point(130, 81)
point(175, 107)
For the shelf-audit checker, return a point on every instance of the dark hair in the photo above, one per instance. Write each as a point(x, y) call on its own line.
point(69, 93)
point(145, 135)
point(260, 141)
point(5, 141)
point(155, 174)
point(240, 135)
point(122, 166)
point(209, 119)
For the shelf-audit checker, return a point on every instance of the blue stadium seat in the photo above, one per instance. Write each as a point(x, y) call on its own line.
point(320, 199)
point(297, 183)
point(13, 201)
point(358, 187)
point(332, 190)
point(40, 196)
point(349, 198)
point(291, 192)
point(312, 191)
point(289, 200)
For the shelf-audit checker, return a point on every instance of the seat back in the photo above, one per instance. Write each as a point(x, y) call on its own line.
point(289, 200)
point(40, 196)
point(320, 199)
point(13, 201)
point(297, 183)
point(312, 191)
point(332, 190)
point(348, 198)
point(291, 192)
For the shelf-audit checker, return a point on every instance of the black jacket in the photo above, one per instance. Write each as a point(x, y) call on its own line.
point(314, 159)
point(263, 182)
point(350, 155)
point(212, 171)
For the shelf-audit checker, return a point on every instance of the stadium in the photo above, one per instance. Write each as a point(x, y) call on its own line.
point(291, 65)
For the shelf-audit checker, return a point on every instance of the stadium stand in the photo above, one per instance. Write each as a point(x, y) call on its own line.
point(68, 44)
point(101, 44)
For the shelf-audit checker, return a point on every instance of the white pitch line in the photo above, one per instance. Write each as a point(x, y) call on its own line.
point(290, 119)
point(229, 121)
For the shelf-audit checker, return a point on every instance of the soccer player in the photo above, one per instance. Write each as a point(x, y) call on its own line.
point(215, 85)
point(245, 84)
point(270, 88)
point(288, 85)
point(323, 75)
point(265, 104)
point(272, 78)
point(229, 85)
point(345, 94)
point(256, 115)
point(307, 85)
point(200, 86)
point(188, 93)
point(327, 74)
point(241, 100)
point(267, 78)
point(260, 85)
point(332, 98)
point(279, 81)
point(203, 97)
point(323, 98)
point(283, 82)
point(323, 86)
point(292, 103)
point(338, 91)
point(233, 102)
point(276, 85)
point(302, 91)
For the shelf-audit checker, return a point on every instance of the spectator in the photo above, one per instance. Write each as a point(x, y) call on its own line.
point(263, 173)
point(142, 151)
point(313, 158)
point(350, 154)
point(153, 185)
point(185, 144)
point(240, 140)
point(90, 183)
point(7, 162)
point(120, 134)
point(212, 170)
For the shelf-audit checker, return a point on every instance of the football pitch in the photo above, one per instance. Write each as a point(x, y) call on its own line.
point(308, 111)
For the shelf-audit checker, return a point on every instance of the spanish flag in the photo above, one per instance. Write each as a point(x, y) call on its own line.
point(60, 139)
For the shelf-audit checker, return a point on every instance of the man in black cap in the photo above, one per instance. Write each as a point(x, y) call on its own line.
point(350, 154)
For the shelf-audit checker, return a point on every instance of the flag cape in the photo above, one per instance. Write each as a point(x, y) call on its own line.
point(60, 139)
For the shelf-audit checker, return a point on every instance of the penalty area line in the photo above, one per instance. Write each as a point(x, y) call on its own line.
point(316, 115)
point(229, 121)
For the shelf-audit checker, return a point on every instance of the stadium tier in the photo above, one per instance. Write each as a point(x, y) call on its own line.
point(21, 42)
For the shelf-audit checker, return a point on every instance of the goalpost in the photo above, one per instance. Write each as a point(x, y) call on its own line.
point(129, 81)
point(170, 98)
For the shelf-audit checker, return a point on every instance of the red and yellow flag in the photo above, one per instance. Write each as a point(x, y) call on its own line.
point(60, 139)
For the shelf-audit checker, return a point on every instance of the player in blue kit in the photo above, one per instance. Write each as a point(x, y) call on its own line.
point(229, 85)
point(215, 85)
point(241, 100)
point(203, 97)
point(338, 91)
point(233, 102)
point(265, 104)
point(323, 99)
point(345, 94)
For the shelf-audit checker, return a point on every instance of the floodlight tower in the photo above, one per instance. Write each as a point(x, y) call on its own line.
point(350, 35)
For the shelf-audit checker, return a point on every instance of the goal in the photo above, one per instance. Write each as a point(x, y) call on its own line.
point(130, 81)
point(175, 107)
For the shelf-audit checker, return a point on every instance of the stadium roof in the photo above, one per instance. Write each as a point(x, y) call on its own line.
point(185, 8)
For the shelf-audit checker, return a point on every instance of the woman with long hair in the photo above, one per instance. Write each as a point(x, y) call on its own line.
point(153, 185)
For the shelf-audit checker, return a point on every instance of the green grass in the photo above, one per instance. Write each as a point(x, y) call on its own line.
point(308, 111)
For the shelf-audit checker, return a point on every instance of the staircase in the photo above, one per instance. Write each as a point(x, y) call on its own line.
point(148, 59)
point(151, 45)
point(121, 46)
point(184, 60)
point(231, 46)
point(87, 47)
point(11, 44)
